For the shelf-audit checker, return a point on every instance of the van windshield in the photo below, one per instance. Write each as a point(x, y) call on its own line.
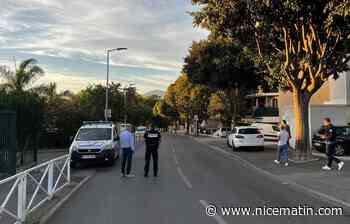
point(94, 134)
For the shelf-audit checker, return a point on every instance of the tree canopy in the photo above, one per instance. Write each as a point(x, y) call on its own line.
point(220, 64)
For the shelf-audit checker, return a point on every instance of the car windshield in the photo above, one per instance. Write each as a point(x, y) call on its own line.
point(343, 131)
point(94, 134)
point(249, 131)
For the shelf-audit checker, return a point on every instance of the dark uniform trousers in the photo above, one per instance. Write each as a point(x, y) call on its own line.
point(151, 152)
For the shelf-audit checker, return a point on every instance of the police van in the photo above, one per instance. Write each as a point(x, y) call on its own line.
point(95, 141)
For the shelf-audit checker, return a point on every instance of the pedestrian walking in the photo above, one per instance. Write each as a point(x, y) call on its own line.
point(287, 127)
point(282, 146)
point(128, 148)
point(330, 136)
point(152, 140)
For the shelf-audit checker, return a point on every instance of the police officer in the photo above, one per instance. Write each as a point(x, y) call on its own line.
point(152, 140)
point(330, 139)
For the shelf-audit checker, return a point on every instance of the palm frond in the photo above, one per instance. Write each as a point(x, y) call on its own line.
point(24, 64)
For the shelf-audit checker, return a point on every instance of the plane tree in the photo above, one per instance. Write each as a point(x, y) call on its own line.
point(299, 43)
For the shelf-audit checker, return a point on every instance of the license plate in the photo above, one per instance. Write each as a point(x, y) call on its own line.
point(89, 157)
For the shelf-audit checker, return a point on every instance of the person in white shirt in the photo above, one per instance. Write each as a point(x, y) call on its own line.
point(127, 145)
point(282, 151)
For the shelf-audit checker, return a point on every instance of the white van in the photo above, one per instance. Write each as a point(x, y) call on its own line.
point(95, 140)
point(269, 130)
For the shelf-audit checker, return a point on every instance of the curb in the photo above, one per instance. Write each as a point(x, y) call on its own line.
point(45, 219)
point(300, 187)
point(322, 155)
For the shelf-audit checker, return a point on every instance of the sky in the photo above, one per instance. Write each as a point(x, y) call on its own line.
point(69, 39)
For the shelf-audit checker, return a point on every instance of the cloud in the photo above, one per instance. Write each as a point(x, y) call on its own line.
point(157, 33)
point(77, 83)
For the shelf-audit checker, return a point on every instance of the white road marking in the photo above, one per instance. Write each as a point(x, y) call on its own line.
point(172, 148)
point(179, 170)
point(184, 178)
point(175, 160)
point(300, 187)
point(216, 217)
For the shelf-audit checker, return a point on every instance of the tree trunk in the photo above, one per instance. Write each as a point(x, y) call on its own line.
point(302, 129)
point(187, 125)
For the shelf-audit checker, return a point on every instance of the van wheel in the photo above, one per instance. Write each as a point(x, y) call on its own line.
point(111, 162)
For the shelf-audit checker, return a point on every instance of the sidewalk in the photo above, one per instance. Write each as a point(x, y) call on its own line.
point(331, 185)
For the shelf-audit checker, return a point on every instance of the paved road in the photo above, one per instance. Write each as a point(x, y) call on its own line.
point(191, 177)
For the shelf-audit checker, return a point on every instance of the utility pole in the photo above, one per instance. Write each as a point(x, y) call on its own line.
point(108, 112)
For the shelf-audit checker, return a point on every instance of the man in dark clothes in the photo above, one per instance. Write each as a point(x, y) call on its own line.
point(152, 140)
point(330, 138)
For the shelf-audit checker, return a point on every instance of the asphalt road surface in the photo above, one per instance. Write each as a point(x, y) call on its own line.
point(192, 176)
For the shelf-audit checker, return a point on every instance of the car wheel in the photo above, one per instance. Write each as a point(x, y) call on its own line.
point(339, 150)
point(234, 148)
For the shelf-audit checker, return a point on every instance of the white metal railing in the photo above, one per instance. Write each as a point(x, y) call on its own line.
point(55, 174)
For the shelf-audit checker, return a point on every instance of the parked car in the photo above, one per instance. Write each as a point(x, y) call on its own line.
point(140, 130)
point(342, 143)
point(245, 136)
point(221, 132)
point(270, 131)
point(95, 140)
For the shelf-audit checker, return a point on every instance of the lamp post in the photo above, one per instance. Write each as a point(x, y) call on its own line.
point(107, 111)
point(126, 90)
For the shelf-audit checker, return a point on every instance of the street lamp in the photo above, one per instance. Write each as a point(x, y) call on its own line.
point(107, 111)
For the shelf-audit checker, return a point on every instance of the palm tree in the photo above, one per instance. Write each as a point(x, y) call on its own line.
point(20, 80)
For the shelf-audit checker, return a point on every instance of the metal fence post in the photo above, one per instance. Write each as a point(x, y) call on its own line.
point(68, 170)
point(50, 181)
point(21, 201)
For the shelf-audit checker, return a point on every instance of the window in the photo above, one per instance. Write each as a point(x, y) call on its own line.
point(343, 131)
point(249, 131)
point(275, 128)
point(94, 134)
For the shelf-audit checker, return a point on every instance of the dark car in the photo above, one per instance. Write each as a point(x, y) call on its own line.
point(343, 140)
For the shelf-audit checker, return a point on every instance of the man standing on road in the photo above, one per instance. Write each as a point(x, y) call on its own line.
point(330, 138)
point(128, 148)
point(152, 140)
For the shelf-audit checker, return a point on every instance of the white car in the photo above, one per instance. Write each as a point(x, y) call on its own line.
point(140, 130)
point(245, 136)
point(95, 140)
